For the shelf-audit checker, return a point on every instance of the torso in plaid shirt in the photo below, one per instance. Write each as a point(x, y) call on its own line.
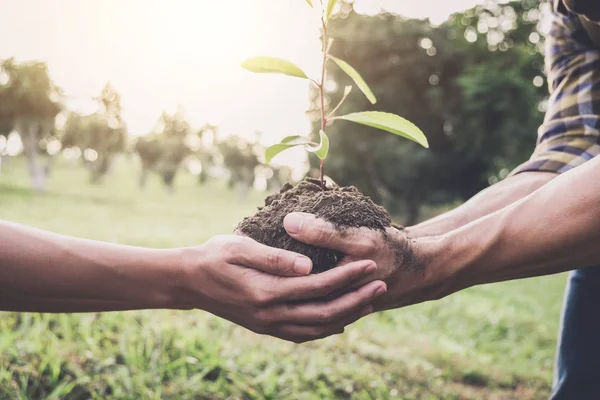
point(570, 134)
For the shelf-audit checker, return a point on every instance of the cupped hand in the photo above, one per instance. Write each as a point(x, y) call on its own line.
point(269, 291)
point(401, 262)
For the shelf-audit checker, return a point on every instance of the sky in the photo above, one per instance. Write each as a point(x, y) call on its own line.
point(163, 54)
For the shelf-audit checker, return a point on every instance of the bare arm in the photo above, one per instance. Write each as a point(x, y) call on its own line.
point(485, 202)
point(43, 271)
point(555, 229)
point(264, 289)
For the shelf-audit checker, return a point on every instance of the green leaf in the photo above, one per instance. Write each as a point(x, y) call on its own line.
point(322, 149)
point(272, 151)
point(286, 143)
point(330, 7)
point(296, 139)
point(352, 73)
point(272, 65)
point(389, 122)
point(310, 3)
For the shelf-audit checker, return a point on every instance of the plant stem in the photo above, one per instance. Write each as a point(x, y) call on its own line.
point(332, 113)
point(322, 94)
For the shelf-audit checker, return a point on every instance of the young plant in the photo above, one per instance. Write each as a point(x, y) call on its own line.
point(381, 120)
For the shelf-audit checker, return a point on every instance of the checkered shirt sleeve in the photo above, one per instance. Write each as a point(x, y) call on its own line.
point(570, 133)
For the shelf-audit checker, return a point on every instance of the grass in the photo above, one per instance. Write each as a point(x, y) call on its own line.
point(494, 341)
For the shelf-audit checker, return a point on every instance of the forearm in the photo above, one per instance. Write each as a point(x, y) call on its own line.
point(552, 230)
point(46, 272)
point(485, 202)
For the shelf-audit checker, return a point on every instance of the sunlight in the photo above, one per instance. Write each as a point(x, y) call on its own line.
point(160, 55)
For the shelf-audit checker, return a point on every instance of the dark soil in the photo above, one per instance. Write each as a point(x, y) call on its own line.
point(345, 207)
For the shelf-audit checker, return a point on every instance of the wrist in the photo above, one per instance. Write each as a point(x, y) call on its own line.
point(438, 265)
point(186, 289)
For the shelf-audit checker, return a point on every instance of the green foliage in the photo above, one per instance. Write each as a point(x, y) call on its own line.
point(309, 2)
point(388, 122)
point(272, 65)
point(352, 73)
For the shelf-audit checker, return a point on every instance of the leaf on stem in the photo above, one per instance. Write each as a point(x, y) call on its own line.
point(286, 143)
point(330, 7)
point(388, 122)
point(273, 65)
point(352, 73)
point(322, 149)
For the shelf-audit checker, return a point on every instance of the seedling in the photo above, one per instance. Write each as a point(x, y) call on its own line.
point(381, 120)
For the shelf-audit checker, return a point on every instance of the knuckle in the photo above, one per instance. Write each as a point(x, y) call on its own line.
point(322, 233)
point(265, 317)
point(325, 317)
point(232, 247)
point(274, 259)
point(316, 333)
point(370, 242)
point(366, 244)
point(260, 298)
point(321, 288)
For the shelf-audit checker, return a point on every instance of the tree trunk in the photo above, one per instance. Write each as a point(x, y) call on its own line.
point(143, 177)
point(29, 138)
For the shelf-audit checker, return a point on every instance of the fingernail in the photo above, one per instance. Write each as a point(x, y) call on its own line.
point(366, 311)
point(370, 268)
point(380, 290)
point(302, 265)
point(293, 223)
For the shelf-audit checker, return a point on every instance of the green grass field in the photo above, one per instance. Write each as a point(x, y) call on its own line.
point(488, 342)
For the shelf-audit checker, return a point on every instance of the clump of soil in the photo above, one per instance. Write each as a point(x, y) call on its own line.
point(345, 207)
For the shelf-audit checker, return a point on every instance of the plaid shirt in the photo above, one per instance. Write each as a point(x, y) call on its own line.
point(570, 134)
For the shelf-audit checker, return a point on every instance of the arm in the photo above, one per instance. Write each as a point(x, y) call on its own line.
point(554, 229)
point(485, 202)
point(229, 276)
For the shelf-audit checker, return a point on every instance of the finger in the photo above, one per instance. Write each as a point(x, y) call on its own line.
point(331, 312)
point(309, 229)
point(271, 260)
point(302, 333)
point(320, 285)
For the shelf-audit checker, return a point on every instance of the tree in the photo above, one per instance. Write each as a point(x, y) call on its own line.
point(208, 136)
point(99, 136)
point(29, 103)
point(165, 149)
point(240, 157)
point(473, 97)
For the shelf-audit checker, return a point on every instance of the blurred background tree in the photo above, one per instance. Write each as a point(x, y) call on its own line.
point(165, 149)
point(99, 136)
point(240, 158)
point(29, 103)
point(208, 154)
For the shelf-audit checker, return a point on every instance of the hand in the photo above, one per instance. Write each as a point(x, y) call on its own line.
point(267, 291)
point(401, 262)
